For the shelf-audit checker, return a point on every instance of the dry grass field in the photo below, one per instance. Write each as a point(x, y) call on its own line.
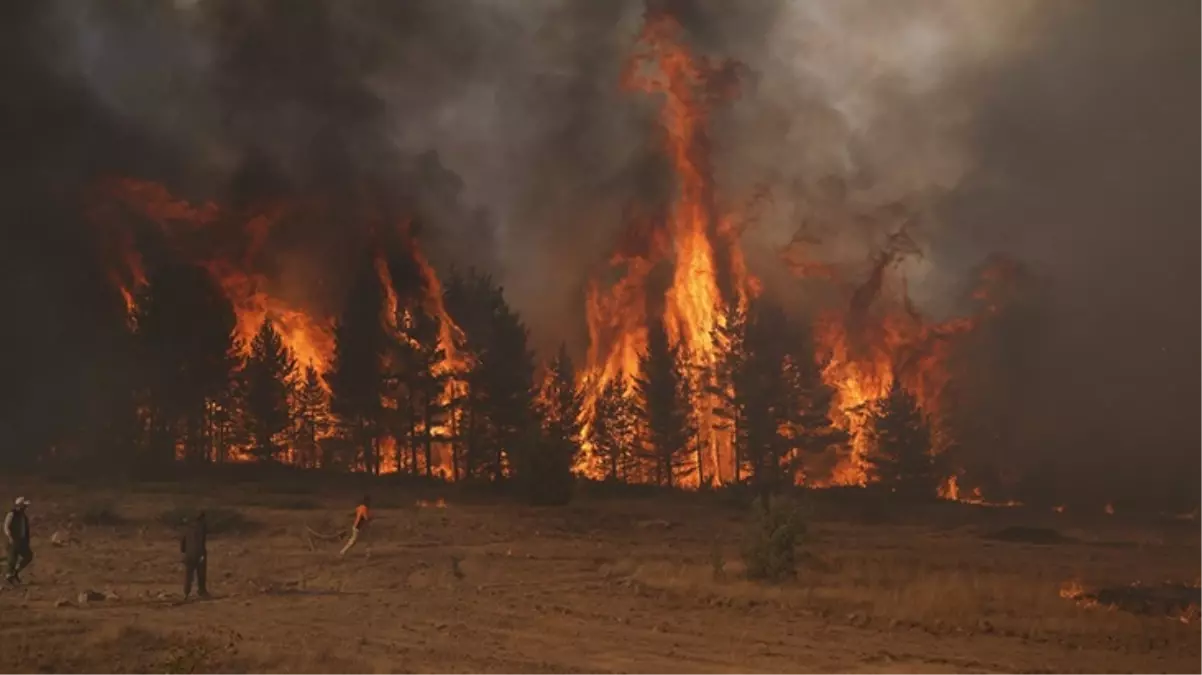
point(650, 584)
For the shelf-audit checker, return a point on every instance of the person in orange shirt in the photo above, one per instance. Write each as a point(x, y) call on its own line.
point(362, 517)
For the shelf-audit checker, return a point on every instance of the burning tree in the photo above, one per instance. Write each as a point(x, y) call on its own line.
point(667, 400)
point(614, 430)
point(356, 379)
point(420, 385)
point(545, 468)
point(901, 460)
point(185, 326)
point(268, 376)
point(495, 407)
point(312, 421)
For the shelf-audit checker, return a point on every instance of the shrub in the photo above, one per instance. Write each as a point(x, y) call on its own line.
point(770, 552)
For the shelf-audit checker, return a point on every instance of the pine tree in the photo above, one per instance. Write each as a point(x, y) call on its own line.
point(268, 375)
point(728, 386)
point(545, 469)
point(507, 369)
point(422, 382)
point(811, 430)
point(901, 460)
point(470, 301)
point(312, 410)
point(185, 327)
point(496, 412)
point(768, 406)
point(613, 431)
point(666, 399)
point(357, 378)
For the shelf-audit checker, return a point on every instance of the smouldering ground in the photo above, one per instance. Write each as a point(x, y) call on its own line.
point(615, 585)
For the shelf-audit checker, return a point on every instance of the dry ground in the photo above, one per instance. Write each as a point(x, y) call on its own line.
point(648, 585)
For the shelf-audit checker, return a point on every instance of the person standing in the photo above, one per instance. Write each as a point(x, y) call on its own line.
point(16, 530)
point(362, 517)
point(192, 546)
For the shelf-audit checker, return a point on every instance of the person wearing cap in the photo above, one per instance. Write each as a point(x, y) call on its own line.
point(192, 546)
point(16, 530)
point(362, 516)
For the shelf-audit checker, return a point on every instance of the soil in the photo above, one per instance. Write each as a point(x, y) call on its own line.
point(605, 585)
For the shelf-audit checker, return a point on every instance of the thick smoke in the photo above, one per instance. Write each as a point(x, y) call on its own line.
point(1060, 133)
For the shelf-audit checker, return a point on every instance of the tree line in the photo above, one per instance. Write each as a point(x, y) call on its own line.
point(388, 398)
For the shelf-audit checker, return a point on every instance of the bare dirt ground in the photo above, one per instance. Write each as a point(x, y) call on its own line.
point(605, 585)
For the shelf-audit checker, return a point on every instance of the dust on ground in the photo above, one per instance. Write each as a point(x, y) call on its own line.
point(605, 585)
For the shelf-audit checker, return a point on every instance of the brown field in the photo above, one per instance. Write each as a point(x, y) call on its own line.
point(646, 584)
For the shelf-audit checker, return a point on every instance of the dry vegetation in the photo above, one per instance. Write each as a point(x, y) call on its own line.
point(631, 583)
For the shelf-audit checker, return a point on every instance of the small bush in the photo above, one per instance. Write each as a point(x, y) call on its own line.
point(221, 520)
point(101, 513)
point(770, 552)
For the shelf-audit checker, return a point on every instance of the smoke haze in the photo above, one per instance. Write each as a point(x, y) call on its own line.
point(1063, 134)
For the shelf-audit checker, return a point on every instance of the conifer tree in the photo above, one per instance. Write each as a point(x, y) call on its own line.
point(357, 378)
point(185, 327)
point(613, 431)
point(497, 412)
point(728, 385)
point(768, 406)
point(545, 468)
point(666, 399)
point(268, 376)
point(901, 459)
point(423, 382)
point(812, 432)
point(312, 409)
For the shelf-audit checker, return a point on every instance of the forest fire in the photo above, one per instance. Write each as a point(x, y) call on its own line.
point(681, 273)
point(863, 347)
point(201, 234)
point(708, 271)
point(310, 339)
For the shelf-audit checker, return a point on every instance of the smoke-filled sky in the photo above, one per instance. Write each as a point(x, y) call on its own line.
point(1062, 133)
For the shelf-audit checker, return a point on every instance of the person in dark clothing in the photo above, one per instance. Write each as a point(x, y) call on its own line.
point(16, 530)
point(192, 546)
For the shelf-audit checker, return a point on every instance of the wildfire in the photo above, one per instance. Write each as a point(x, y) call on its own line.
point(449, 337)
point(183, 224)
point(872, 338)
point(866, 346)
point(192, 230)
point(1073, 590)
point(708, 268)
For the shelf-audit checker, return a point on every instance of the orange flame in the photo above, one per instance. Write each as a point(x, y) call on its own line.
point(308, 336)
point(708, 267)
point(450, 336)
